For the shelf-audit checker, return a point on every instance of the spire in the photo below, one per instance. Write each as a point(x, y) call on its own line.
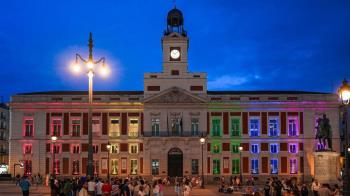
point(91, 45)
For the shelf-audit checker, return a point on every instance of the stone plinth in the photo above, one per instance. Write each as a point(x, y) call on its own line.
point(326, 166)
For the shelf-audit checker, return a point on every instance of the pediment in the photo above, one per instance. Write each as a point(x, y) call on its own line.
point(175, 95)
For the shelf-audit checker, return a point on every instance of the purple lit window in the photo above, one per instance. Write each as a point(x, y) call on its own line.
point(273, 127)
point(292, 127)
point(293, 148)
point(293, 166)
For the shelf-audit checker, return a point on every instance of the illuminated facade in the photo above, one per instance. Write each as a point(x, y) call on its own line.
point(4, 131)
point(156, 132)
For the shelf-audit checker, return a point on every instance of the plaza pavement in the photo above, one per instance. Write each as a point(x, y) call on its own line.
point(10, 189)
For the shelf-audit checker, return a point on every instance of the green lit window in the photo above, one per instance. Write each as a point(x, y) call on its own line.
point(235, 127)
point(216, 166)
point(216, 147)
point(235, 147)
point(216, 127)
point(235, 166)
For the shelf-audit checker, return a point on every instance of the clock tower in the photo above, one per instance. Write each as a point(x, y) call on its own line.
point(175, 71)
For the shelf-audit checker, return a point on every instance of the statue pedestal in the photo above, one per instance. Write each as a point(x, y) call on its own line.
point(326, 166)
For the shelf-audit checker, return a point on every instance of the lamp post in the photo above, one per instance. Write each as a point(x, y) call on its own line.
point(344, 95)
point(240, 164)
point(90, 65)
point(108, 148)
point(53, 139)
point(202, 141)
point(20, 164)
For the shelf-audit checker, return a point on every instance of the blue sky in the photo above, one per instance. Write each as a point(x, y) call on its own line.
point(242, 45)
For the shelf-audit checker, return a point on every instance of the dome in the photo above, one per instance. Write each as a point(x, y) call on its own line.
point(175, 18)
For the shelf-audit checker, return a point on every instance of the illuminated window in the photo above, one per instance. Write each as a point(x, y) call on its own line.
point(273, 148)
point(133, 164)
point(274, 166)
point(114, 166)
point(27, 167)
point(293, 148)
point(194, 166)
point(194, 126)
point(76, 127)
point(235, 147)
point(75, 167)
point(254, 127)
point(216, 147)
point(95, 148)
point(27, 149)
point(255, 166)
point(293, 166)
point(216, 166)
point(155, 126)
point(292, 127)
point(96, 126)
point(114, 127)
point(28, 127)
point(235, 127)
point(56, 127)
point(57, 167)
point(56, 148)
point(155, 167)
point(235, 166)
point(254, 148)
point(96, 167)
point(216, 127)
point(115, 148)
point(133, 148)
point(273, 127)
point(75, 148)
point(133, 127)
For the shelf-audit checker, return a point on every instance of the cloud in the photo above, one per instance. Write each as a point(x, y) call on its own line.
point(227, 81)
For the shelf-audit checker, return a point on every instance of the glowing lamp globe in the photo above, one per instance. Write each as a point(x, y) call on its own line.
point(104, 71)
point(344, 92)
point(202, 140)
point(90, 65)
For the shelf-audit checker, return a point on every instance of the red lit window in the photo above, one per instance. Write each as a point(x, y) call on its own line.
point(27, 149)
point(75, 167)
point(27, 166)
point(56, 127)
point(57, 167)
point(28, 127)
point(96, 167)
point(56, 148)
point(76, 149)
point(95, 148)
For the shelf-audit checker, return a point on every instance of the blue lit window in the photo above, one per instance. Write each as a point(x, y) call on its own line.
point(273, 148)
point(273, 127)
point(274, 166)
point(292, 127)
point(254, 148)
point(293, 148)
point(254, 126)
point(255, 166)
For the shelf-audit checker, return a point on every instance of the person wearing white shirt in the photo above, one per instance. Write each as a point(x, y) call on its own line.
point(91, 187)
point(99, 188)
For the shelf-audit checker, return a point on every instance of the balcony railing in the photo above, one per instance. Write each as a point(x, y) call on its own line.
point(173, 134)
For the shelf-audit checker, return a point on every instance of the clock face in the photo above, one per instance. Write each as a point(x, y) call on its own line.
point(175, 54)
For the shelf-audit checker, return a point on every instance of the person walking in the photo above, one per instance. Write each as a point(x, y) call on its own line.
point(99, 185)
point(83, 191)
point(106, 188)
point(91, 187)
point(177, 189)
point(304, 191)
point(25, 184)
point(315, 186)
point(187, 189)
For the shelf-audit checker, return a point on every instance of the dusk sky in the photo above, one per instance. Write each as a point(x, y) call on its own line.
point(242, 45)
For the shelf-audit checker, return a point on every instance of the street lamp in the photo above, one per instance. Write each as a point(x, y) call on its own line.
point(20, 164)
point(344, 95)
point(240, 164)
point(202, 141)
point(91, 68)
point(108, 148)
point(53, 139)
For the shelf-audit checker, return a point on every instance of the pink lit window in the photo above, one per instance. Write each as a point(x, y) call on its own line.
point(57, 167)
point(293, 148)
point(95, 148)
point(293, 166)
point(27, 166)
point(75, 167)
point(56, 148)
point(76, 127)
point(76, 149)
point(292, 126)
point(56, 127)
point(28, 127)
point(27, 149)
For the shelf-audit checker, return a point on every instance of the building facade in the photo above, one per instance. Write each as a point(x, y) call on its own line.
point(4, 132)
point(155, 132)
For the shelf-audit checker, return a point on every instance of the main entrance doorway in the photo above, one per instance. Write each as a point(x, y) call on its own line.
point(175, 162)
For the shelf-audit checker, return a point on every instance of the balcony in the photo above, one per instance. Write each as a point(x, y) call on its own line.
point(173, 134)
point(114, 134)
point(133, 134)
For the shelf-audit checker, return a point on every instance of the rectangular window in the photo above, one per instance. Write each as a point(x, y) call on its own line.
point(75, 127)
point(216, 127)
point(176, 126)
point(28, 127)
point(75, 167)
point(95, 148)
point(155, 126)
point(133, 164)
point(235, 166)
point(57, 167)
point(254, 148)
point(273, 148)
point(75, 148)
point(155, 167)
point(293, 166)
point(27, 167)
point(273, 127)
point(56, 148)
point(114, 128)
point(133, 127)
point(274, 166)
point(293, 148)
point(27, 149)
point(235, 147)
point(114, 164)
point(216, 166)
point(195, 127)
point(194, 164)
point(255, 166)
point(115, 148)
point(96, 126)
point(235, 127)
point(96, 167)
point(133, 148)
point(292, 127)
point(56, 127)
point(216, 147)
point(254, 127)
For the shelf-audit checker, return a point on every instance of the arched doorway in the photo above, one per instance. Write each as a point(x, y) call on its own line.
point(175, 162)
